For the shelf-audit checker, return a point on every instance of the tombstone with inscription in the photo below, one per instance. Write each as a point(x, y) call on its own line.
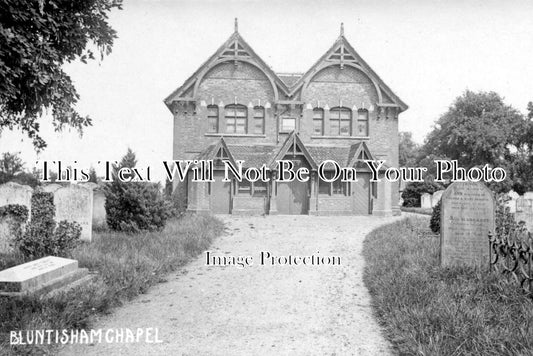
point(41, 276)
point(14, 193)
point(467, 216)
point(436, 197)
point(425, 201)
point(524, 211)
point(75, 203)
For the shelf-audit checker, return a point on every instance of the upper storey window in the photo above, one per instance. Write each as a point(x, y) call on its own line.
point(340, 121)
point(236, 117)
point(259, 120)
point(212, 118)
point(288, 124)
point(318, 122)
point(361, 128)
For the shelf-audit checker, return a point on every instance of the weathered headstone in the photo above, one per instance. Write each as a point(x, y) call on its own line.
point(467, 216)
point(51, 188)
point(5, 235)
point(425, 201)
point(14, 193)
point(75, 203)
point(524, 211)
point(436, 197)
point(99, 213)
point(42, 275)
point(511, 203)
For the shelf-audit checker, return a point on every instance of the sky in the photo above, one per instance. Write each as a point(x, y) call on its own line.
point(428, 52)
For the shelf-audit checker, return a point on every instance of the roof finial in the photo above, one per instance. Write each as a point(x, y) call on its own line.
point(342, 29)
point(236, 25)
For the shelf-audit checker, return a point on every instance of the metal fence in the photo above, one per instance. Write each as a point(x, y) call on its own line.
point(512, 255)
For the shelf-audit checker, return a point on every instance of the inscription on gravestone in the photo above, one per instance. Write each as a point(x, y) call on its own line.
point(467, 216)
point(75, 203)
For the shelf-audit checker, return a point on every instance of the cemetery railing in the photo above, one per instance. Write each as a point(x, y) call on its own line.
point(512, 255)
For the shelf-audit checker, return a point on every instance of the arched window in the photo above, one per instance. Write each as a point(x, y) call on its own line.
point(212, 118)
point(318, 122)
point(236, 117)
point(340, 120)
point(361, 128)
point(259, 120)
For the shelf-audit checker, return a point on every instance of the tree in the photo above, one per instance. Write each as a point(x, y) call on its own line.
point(92, 175)
point(134, 206)
point(11, 164)
point(408, 150)
point(12, 170)
point(36, 39)
point(478, 129)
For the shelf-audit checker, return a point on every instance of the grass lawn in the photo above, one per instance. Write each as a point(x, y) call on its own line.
point(428, 310)
point(127, 265)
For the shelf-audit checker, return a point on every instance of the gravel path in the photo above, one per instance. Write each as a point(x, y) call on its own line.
point(260, 310)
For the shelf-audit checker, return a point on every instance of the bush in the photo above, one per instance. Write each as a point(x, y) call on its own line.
point(134, 206)
point(434, 223)
point(413, 191)
point(41, 237)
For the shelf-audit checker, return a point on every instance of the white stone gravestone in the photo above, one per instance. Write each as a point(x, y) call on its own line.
point(425, 201)
point(436, 197)
point(14, 193)
point(467, 216)
point(42, 275)
point(51, 188)
point(75, 203)
point(99, 213)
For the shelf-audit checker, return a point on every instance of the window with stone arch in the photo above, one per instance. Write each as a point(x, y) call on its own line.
point(361, 127)
point(340, 121)
point(212, 118)
point(236, 117)
point(318, 122)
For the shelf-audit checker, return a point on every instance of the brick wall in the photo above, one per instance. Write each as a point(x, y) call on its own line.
point(245, 84)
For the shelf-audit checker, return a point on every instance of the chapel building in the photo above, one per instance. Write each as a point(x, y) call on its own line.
point(236, 108)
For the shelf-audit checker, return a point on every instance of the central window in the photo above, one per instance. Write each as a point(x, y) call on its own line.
point(236, 118)
point(288, 124)
point(340, 121)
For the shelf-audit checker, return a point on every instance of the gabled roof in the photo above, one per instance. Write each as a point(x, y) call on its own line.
point(342, 53)
point(294, 143)
point(211, 151)
point(236, 48)
point(359, 152)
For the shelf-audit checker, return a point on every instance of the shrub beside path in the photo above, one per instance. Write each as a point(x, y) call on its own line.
point(261, 310)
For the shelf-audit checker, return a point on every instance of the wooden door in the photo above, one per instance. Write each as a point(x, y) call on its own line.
point(293, 197)
point(220, 195)
point(362, 204)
